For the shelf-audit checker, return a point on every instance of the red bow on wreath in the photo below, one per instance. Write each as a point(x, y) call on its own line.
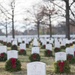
point(34, 56)
point(2, 55)
point(13, 62)
point(69, 57)
point(22, 51)
point(48, 51)
point(61, 66)
point(44, 46)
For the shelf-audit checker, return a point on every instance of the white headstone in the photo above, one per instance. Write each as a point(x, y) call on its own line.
point(14, 42)
point(74, 47)
point(35, 50)
point(60, 40)
point(67, 41)
point(49, 47)
point(63, 43)
point(43, 42)
point(70, 51)
point(5, 39)
point(19, 40)
point(27, 41)
point(9, 40)
point(3, 49)
point(12, 54)
point(35, 42)
point(23, 46)
point(24, 39)
point(47, 40)
point(51, 41)
point(57, 44)
point(36, 68)
point(60, 56)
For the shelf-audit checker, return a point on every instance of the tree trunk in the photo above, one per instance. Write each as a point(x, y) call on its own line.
point(13, 33)
point(67, 20)
point(38, 28)
point(43, 31)
point(50, 27)
point(6, 29)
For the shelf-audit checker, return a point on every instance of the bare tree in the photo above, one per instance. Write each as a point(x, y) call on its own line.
point(68, 8)
point(13, 8)
point(49, 11)
point(5, 25)
point(6, 13)
point(36, 16)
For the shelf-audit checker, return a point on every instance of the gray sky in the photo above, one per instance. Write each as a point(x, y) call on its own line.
point(21, 6)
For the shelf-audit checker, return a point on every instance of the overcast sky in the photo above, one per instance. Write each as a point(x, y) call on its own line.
point(21, 6)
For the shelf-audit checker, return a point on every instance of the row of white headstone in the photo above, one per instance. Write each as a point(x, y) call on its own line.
point(36, 48)
point(57, 42)
point(15, 41)
point(26, 41)
point(69, 50)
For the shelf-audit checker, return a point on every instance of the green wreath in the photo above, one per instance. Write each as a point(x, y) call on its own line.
point(9, 44)
point(22, 52)
point(3, 57)
point(63, 47)
point(14, 47)
point(34, 57)
point(71, 59)
point(48, 53)
point(57, 50)
point(4, 43)
point(62, 67)
point(67, 45)
point(43, 46)
point(13, 65)
point(27, 45)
